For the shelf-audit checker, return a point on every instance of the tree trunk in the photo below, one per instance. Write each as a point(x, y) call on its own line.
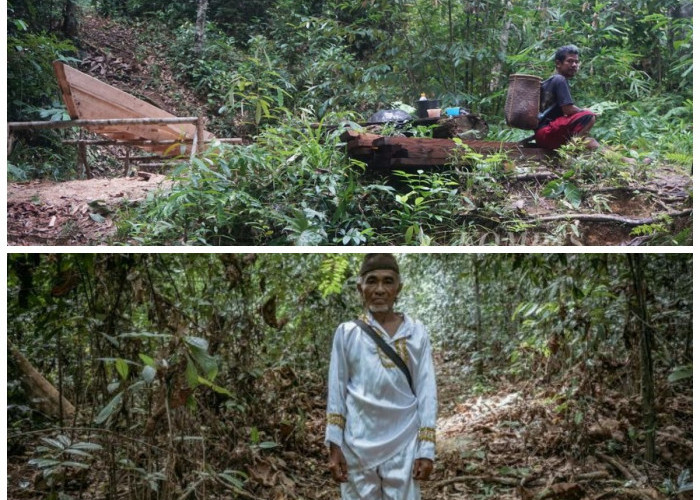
point(200, 27)
point(45, 396)
point(477, 312)
point(505, 35)
point(70, 19)
point(646, 362)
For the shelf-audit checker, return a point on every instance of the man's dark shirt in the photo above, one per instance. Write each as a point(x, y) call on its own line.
point(554, 94)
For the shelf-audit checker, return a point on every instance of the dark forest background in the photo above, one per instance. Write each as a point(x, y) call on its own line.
point(202, 376)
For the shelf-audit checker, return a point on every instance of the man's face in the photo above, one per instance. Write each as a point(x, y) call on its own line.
point(569, 66)
point(379, 289)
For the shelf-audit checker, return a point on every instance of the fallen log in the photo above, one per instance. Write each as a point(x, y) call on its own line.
point(42, 393)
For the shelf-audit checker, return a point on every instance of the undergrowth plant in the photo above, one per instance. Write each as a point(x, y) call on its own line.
point(294, 186)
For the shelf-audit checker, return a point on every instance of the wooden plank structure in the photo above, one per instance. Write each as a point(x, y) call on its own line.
point(382, 152)
point(88, 98)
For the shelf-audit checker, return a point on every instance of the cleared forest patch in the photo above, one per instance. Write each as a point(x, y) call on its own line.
point(75, 212)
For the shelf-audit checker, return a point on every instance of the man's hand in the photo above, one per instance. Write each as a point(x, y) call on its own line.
point(337, 464)
point(422, 467)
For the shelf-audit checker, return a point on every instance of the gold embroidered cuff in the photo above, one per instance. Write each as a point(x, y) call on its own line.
point(336, 419)
point(426, 434)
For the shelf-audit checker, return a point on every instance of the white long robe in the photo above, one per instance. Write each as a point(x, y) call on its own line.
point(372, 413)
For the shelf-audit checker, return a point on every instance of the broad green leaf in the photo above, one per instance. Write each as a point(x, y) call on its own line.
point(82, 445)
point(122, 368)
point(197, 343)
point(681, 373)
point(572, 194)
point(109, 409)
point(147, 360)
point(79, 465)
point(235, 482)
point(44, 462)
point(80, 453)
point(215, 388)
point(198, 350)
point(55, 443)
point(553, 189)
point(191, 374)
point(97, 218)
point(258, 112)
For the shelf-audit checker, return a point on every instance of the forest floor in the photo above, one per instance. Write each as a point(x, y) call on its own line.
point(73, 212)
point(569, 438)
point(42, 213)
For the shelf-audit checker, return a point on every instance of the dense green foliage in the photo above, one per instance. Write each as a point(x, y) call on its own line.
point(235, 341)
point(270, 68)
point(296, 186)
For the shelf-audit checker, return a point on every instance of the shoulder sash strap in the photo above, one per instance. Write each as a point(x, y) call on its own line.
point(387, 350)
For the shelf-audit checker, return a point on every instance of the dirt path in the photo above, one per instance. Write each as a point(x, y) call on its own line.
point(75, 212)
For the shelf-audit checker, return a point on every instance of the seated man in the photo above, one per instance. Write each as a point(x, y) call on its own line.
point(560, 119)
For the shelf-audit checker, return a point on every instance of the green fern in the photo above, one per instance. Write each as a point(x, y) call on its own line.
point(684, 159)
point(333, 272)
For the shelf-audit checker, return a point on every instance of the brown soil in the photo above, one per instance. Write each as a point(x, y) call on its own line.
point(114, 54)
point(60, 213)
point(75, 212)
point(667, 191)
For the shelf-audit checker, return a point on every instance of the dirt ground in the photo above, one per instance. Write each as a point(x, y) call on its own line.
point(82, 212)
point(73, 213)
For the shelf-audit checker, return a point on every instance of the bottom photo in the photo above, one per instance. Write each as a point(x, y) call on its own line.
point(402, 376)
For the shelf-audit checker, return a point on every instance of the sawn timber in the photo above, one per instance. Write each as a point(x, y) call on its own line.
point(384, 152)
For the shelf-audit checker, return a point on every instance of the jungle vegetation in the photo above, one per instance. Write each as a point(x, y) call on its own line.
point(199, 375)
point(268, 69)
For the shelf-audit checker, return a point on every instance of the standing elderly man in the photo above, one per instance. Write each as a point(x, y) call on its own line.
point(382, 404)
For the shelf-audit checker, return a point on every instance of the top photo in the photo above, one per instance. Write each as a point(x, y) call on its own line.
point(349, 123)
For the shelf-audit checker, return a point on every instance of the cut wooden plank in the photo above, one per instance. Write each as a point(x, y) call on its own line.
point(396, 151)
point(89, 98)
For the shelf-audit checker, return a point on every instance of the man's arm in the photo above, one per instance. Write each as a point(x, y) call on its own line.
point(570, 109)
point(426, 392)
point(336, 410)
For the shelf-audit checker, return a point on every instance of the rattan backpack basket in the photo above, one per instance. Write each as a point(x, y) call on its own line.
point(523, 101)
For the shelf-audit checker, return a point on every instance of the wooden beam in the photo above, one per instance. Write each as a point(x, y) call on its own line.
point(140, 142)
point(99, 123)
point(143, 158)
point(60, 71)
point(395, 151)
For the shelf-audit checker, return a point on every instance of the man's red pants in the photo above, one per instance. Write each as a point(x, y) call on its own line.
point(560, 130)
